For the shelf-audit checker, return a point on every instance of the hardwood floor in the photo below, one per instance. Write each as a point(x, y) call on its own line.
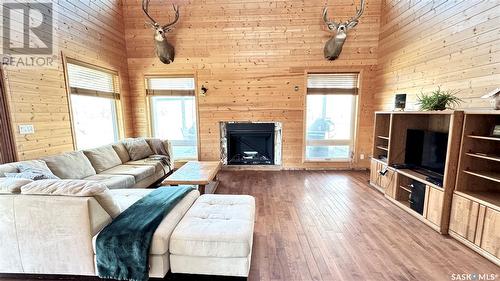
point(330, 225)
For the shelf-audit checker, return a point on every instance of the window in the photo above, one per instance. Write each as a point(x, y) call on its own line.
point(173, 114)
point(94, 96)
point(330, 116)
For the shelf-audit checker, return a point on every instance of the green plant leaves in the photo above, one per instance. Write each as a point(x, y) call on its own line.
point(438, 100)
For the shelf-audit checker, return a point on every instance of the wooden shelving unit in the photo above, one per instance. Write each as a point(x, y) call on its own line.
point(385, 148)
point(382, 133)
point(389, 148)
point(484, 156)
point(492, 176)
point(484, 138)
point(475, 212)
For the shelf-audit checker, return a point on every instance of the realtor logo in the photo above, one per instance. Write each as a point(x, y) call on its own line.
point(27, 33)
point(27, 28)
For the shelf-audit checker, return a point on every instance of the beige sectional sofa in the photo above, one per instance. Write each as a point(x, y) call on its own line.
point(50, 226)
point(110, 165)
point(43, 234)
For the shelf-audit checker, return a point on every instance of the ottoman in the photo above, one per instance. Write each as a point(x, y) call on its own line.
point(214, 237)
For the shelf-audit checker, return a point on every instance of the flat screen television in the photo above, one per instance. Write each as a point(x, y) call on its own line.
point(426, 150)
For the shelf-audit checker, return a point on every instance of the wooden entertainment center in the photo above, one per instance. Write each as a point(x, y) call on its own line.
point(389, 150)
point(466, 204)
point(475, 211)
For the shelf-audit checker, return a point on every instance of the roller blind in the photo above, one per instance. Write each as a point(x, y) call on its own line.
point(91, 81)
point(332, 84)
point(170, 86)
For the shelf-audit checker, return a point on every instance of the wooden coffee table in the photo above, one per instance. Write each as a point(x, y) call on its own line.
point(201, 173)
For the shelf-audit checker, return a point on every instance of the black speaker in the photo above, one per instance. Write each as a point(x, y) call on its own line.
point(417, 196)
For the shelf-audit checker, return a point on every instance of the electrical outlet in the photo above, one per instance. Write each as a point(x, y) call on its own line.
point(361, 156)
point(26, 129)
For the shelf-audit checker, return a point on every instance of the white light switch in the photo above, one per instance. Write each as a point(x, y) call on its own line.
point(26, 129)
point(362, 156)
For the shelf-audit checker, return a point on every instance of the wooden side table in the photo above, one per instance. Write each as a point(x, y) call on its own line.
point(201, 173)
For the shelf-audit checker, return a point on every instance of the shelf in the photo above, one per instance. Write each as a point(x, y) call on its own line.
point(488, 198)
point(406, 204)
point(418, 177)
point(405, 188)
point(485, 156)
point(383, 148)
point(483, 138)
point(380, 161)
point(492, 176)
point(383, 137)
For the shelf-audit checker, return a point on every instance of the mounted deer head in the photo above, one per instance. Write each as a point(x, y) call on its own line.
point(334, 46)
point(164, 50)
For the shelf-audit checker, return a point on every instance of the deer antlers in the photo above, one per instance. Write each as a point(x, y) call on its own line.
point(332, 25)
point(167, 27)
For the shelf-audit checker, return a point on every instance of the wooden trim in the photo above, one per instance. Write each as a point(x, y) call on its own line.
point(120, 126)
point(64, 60)
point(94, 93)
point(150, 93)
point(8, 151)
point(90, 65)
point(176, 93)
point(173, 75)
point(356, 114)
point(197, 105)
point(332, 91)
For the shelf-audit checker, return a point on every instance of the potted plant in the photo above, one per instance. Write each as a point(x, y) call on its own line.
point(438, 100)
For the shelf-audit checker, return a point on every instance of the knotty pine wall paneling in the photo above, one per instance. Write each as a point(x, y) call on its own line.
point(250, 55)
point(90, 31)
point(426, 44)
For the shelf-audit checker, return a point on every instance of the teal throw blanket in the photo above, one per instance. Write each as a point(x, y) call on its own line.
point(122, 247)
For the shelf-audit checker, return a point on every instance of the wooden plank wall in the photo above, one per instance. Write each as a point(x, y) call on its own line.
point(91, 31)
point(425, 44)
point(250, 55)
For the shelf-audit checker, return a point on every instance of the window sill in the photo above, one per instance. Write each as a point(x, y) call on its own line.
point(328, 161)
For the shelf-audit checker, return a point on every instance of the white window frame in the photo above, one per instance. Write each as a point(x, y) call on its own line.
point(115, 96)
point(150, 93)
point(350, 142)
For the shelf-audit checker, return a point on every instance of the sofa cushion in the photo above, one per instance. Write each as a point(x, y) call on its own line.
point(122, 152)
point(157, 164)
point(139, 172)
point(161, 237)
point(103, 158)
point(216, 226)
point(72, 165)
point(137, 148)
point(127, 197)
point(75, 188)
point(12, 185)
point(114, 181)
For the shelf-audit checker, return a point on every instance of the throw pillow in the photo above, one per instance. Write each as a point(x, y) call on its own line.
point(103, 158)
point(75, 188)
point(26, 175)
point(71, 165)
point(158, 147)
point(36, 167)
point(12, 185)
point(122, 152)
point(138, 149)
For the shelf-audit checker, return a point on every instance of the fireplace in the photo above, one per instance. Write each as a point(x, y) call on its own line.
point(244, 143)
